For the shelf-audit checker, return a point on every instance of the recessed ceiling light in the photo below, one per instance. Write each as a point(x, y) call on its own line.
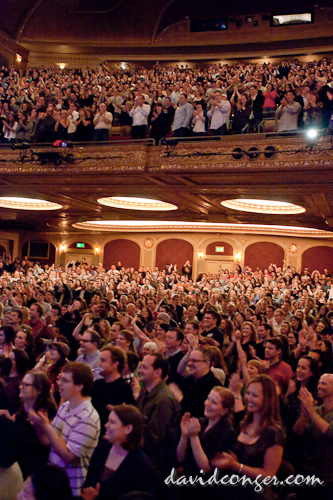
point(132, 203)
point(19, 203)
point(263, 206)
point(199, 227)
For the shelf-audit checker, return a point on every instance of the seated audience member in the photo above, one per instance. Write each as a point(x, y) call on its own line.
point(118, 465)
point(49, 482)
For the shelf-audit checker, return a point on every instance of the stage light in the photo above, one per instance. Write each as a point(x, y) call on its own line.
point(312, 133)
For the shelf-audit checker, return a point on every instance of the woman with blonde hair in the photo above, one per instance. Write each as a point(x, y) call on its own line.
point(201, 439)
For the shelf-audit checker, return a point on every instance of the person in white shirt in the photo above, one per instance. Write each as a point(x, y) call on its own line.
point(219, 113)
point(102, 123)
point(139, 113)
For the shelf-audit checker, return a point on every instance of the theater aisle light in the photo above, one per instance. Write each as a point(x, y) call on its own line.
point(19, 203)
point(133, 203)
point(263, 206)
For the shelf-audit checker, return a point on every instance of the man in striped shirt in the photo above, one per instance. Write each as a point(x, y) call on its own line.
point(74, 431)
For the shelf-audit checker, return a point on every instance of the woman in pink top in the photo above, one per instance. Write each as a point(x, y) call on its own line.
point(269, 106)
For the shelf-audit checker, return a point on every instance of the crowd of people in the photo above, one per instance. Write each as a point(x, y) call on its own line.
point(48, 104)
point(119, 380)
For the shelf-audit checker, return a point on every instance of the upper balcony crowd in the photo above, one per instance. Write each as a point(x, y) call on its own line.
point(48, 104)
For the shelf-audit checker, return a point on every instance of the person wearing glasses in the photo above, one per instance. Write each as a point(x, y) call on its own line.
point(34, 394)
point(200, 381)
point(89, 351)
point(74, 431)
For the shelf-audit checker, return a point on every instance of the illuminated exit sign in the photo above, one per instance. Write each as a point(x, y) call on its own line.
point(80, 245)
point(219, 249)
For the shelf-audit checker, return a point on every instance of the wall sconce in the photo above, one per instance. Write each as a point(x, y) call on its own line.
point(237, 255)
point(18, 58)
point(62, 248)
point(62, 66)
point(96, 249)
point(200, 254)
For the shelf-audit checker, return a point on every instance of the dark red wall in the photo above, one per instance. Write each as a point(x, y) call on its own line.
point(228, 249)
point(173, 251)
point(320, 258)
point(262, 254)
point(125, 251)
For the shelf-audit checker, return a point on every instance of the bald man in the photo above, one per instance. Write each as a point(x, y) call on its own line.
point(317, 422)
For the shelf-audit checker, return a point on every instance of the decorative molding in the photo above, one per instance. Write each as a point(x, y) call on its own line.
point(148, 243)
point(198, 227)
point(293, 248)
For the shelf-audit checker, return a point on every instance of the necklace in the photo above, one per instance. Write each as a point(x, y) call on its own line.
point(251, 430)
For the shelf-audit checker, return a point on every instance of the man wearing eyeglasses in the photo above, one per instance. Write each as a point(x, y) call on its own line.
point(89, 351)
point(74, 432)
point(200, 382)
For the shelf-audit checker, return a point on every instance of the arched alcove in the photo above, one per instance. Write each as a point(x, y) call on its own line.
point(320, 257)
point(262, 254)
point(125, 251)
point(173, 251)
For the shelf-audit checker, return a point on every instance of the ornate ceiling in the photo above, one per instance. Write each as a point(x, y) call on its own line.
point(196, 177)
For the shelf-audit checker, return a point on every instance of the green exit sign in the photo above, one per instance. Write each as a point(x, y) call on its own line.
point(80, 245)
point(219, 249)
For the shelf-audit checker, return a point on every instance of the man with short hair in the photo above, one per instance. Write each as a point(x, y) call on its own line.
point(265, 332)
point(74, 432)
point(139, 113)
point(192, 328)
point(40, 296)
point(112, 389)
point(288, 112)
point(279, 370)
point(219, 113)
point(173, 339)
point(161, 413)
point(15, 319)
point(210, 320)
point(102, 124)
point(277, 321)
point(39, 329)
point(183, 115)
point(201, 381)
point(317, 423)
point(104, 311)
point(90, 354)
